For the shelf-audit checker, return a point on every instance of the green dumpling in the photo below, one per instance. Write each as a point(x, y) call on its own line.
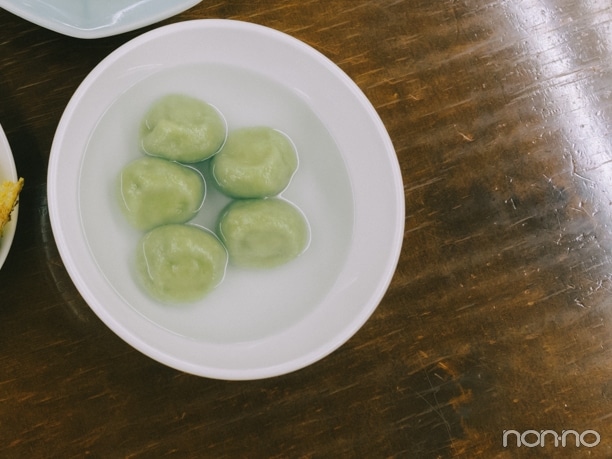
point(182, 128)
point(154, 192)
point(180, 263)
point(255, 162)
point(263, 233)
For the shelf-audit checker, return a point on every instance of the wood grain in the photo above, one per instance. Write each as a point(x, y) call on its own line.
point(497, 318)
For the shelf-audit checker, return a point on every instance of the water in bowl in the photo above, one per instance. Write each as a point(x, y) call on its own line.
point(249, 304)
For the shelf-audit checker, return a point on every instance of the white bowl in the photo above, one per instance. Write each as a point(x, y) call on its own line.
point(7, 172)
point(256, 324)
point(95, 18)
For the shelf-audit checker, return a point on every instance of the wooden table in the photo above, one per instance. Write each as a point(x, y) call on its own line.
point(498, 317)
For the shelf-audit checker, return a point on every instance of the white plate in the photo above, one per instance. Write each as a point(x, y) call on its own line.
point(256, 324)
point(95, 18)
point(7, 172)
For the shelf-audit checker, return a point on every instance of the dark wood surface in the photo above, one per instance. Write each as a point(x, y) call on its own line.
point(499, 314)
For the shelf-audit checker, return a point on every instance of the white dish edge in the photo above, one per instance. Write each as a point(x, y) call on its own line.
point(7, 172)
point(26, 11)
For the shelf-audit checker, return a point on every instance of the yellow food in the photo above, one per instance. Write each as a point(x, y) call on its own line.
point(9, 196)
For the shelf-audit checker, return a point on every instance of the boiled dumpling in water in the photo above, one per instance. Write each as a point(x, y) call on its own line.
point(182, 128)
point(154, 192)
point(263, 233)
point(255, 162)
point(180, 263)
